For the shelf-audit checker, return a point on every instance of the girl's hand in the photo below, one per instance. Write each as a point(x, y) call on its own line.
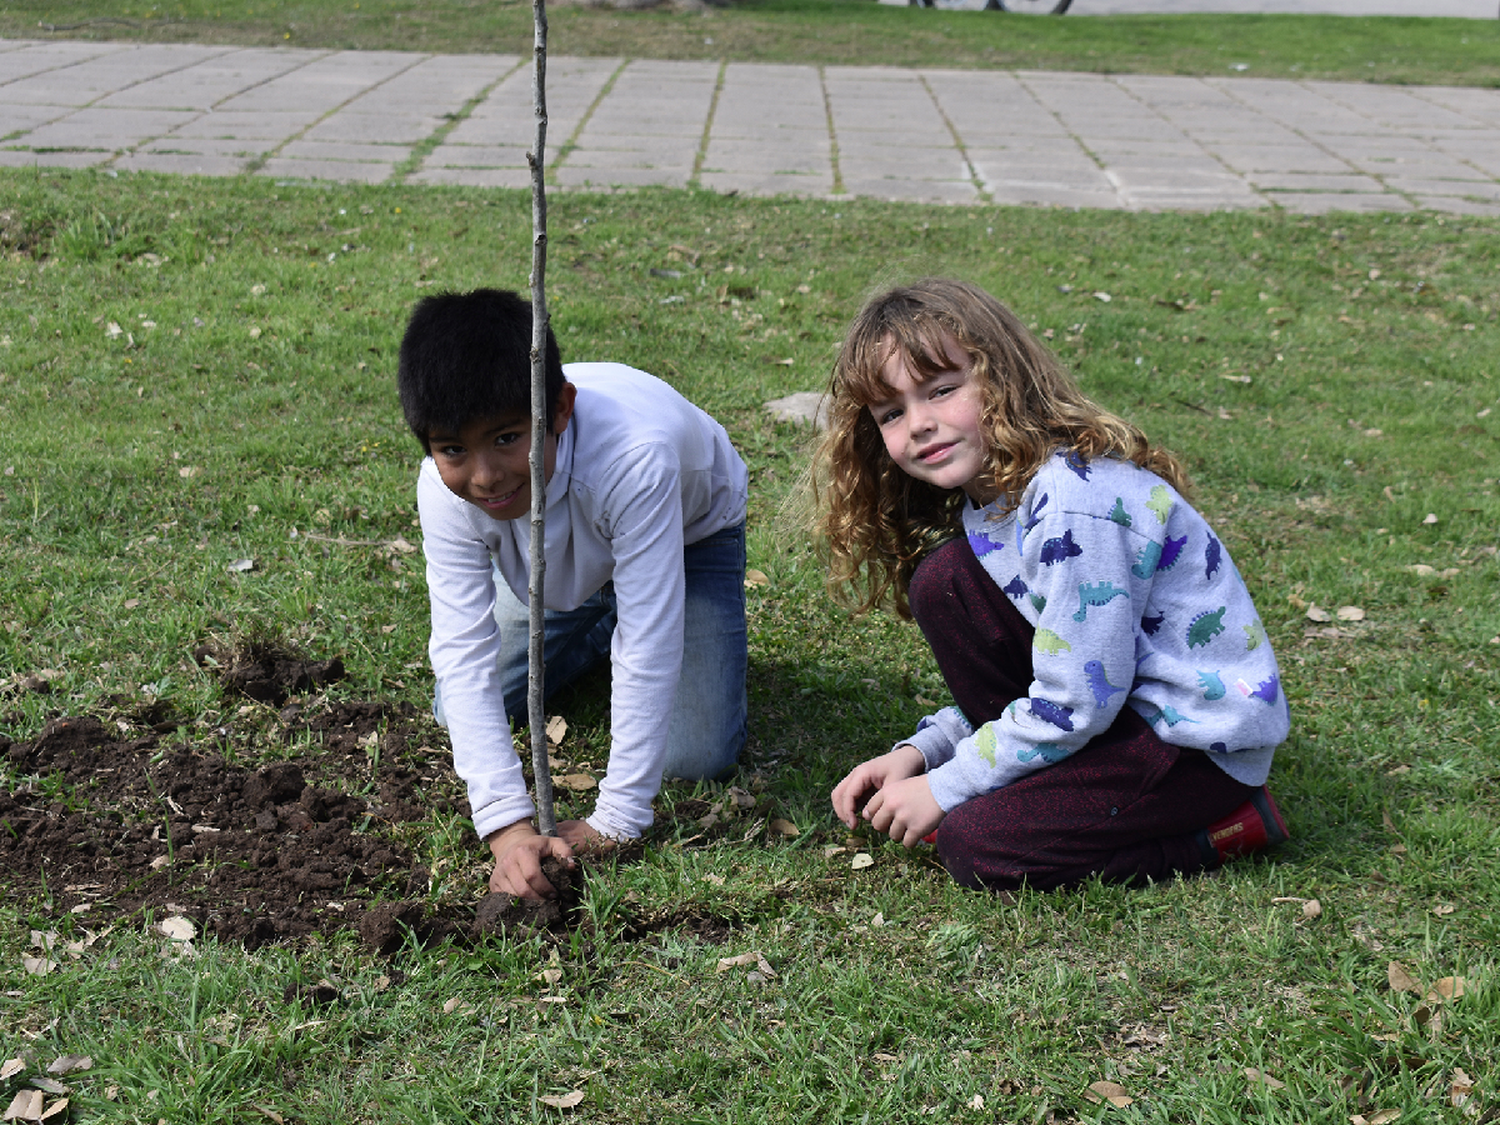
point(869, 777)
point(905, 811)
point(518, 852)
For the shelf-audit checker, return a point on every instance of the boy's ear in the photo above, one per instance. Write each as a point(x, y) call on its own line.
point(563, 413)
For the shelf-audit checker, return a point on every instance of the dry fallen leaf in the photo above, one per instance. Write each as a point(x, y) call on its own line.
point(577, 782)
point(25, 1106)
point(727, 963)
point(57, 1107)
point(37, 966)
point(1401, 980)
point(177, 928)
point(1422, 570)
point(755, 577)
point(1383, 1116)
point(450, 1004)
point(11, 1067)
point(1318, 613)
point(557, 730)
point(976, 1102)
point(1443, 909)
point(241, 565)
point(1430, 518)
point(1311, 909)
point(69, 1064)
point(562, 1101)
point(1350, 613)
point(1111, 1092)
point(1264, 1079)
point(862, 860)
point(785, 828)
point(1448, 988)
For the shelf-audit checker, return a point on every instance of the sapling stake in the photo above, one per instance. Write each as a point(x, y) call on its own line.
point(546, 814)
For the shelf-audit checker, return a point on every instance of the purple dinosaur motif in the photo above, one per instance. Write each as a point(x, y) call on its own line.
point(1266, 690)
point(1015, 588)
point(1213, 554)
point(1036, 513)
point(1050, 712)
point(1152, 624)
point(1077, 462)
point(1170, 550)
point(1099, 683)
point(1060, 548)
point(983, 545)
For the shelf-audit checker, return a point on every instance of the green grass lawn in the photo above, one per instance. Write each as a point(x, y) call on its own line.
point(191, 369)
point(829, 32)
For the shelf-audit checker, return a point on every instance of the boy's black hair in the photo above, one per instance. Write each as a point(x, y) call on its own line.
point(467, 356)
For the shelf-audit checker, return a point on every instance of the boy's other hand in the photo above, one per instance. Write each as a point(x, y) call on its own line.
point(870, 777)
point(580, 835)
point(904, 810)
point(518, 852)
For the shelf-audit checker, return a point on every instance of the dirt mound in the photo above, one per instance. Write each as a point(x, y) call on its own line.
point(274, 826)
point(267, 671)
point(121, 824)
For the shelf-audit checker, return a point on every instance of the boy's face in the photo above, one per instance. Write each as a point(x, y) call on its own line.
point(487, 462)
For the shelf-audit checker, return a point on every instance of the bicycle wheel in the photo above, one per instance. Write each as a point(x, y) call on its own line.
point(1034, 7)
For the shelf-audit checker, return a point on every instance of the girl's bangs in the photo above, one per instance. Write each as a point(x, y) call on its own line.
point(864, 360)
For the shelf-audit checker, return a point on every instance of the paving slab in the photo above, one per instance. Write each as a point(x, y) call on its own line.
point(1023, 137)
point(205, 83)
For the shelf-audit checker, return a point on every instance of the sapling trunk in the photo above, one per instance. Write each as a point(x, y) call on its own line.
point(536, 678)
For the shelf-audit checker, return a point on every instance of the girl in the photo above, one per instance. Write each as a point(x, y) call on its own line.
point(1118, 703)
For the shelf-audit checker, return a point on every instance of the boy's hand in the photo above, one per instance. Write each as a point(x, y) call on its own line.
point(869, 777)
point(518, 852)
point(905, 811)
point(580, 835)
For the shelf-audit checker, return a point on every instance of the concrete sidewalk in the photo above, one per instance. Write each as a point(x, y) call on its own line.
point(1074, 140)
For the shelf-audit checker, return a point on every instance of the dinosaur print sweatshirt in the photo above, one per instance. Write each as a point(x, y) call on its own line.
point(1135, 603)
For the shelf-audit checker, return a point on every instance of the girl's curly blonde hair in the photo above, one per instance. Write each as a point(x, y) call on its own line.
point(874, 522)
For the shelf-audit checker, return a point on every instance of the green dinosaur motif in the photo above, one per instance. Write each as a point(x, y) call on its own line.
point(1205, 627)
point(985, 743)
point(1038, 601)
point(1160, 503)
point(1119, 514)
point(1096, 594)
point(1049, 643)
point(1255, 633)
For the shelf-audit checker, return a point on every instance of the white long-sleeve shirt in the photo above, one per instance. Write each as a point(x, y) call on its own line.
point(1135, 603)
point(640, 473)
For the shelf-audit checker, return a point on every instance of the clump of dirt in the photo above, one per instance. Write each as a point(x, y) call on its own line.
point(518, 917)
point(386, 927)
point(268, 671)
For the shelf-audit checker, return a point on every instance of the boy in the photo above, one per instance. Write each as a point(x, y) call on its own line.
point(645, 549)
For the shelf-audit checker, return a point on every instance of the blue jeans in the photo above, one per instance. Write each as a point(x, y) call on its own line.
point(707, 728)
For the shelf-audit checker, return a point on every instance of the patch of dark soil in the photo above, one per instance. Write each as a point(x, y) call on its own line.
point(385, 928)
point(268, 672)
point(696, 921)
point(111, 824)
point(519, 917)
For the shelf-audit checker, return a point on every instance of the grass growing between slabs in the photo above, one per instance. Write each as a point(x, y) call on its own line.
point(824, 32)
point(190, 371)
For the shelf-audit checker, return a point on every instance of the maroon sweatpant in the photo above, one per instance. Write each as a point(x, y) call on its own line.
point(1127, 806)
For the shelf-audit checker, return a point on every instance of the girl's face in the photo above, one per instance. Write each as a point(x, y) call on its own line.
point(932, 429)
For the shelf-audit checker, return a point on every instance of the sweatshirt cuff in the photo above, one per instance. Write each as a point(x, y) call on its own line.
point(937, 736)
point(948, 790)
point(607, 822)
point(502, 814)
